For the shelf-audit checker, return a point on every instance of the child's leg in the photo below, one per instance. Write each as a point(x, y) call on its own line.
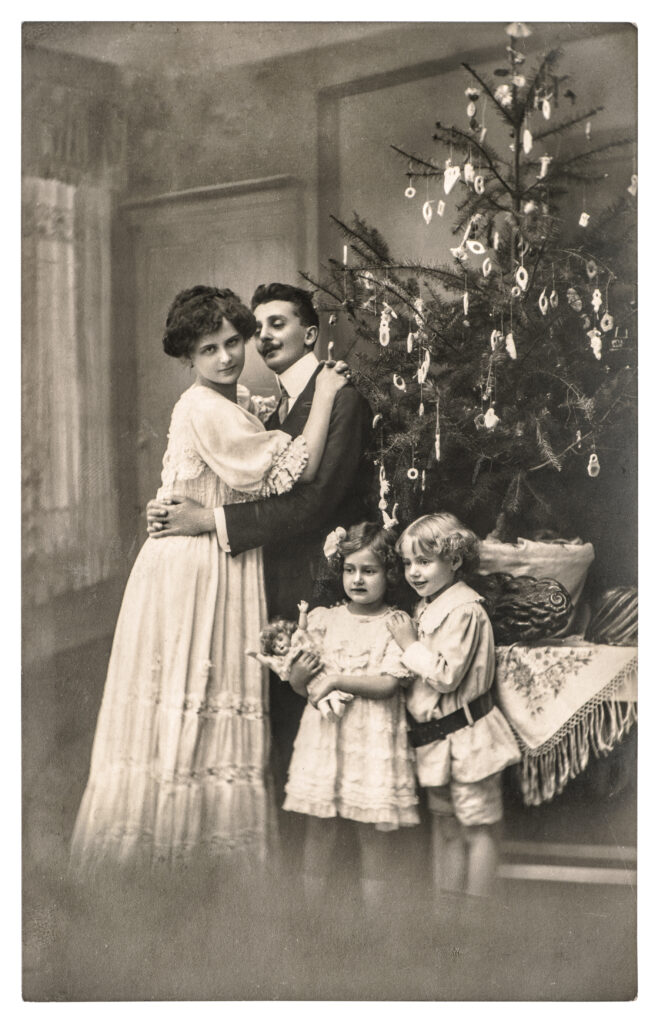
point(319, 843)
point(448, 845)
point(482, 848)
point(479, 806)
point(375, 846)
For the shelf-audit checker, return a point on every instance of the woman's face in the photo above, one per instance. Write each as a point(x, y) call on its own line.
point(219, 358)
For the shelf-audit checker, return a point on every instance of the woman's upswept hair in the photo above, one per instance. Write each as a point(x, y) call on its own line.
point(442, 535)
point(378, 540)
point(202, 310)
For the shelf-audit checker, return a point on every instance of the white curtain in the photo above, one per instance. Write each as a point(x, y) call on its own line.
point(69, 503)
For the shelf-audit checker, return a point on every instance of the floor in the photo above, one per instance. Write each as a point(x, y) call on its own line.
point(231, 938)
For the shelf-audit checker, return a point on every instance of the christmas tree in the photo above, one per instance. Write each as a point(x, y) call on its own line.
point(503, 380)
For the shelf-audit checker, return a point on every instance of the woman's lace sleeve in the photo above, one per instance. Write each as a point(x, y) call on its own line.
point(287, 467)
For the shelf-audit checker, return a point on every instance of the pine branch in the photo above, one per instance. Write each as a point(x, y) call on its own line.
point(508, 117)
point(563, 125)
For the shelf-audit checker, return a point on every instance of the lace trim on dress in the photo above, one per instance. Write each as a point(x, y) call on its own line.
point(226, 773)
point(287, 467)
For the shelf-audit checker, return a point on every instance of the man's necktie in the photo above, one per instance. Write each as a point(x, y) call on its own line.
point(282, 408)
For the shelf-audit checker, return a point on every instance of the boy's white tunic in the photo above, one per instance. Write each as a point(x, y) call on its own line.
point(182, 741)
point(454, 662)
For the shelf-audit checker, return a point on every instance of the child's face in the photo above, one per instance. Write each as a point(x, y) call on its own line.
point(426, 574)
point(281, 644)
point(219, 357)
point(364, 578)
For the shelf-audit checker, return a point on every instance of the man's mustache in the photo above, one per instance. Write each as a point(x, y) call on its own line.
point(270, 347)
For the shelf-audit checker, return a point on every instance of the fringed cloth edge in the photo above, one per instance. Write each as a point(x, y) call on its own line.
point(596, 728)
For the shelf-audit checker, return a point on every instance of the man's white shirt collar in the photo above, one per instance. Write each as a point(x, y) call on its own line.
point(297, 376)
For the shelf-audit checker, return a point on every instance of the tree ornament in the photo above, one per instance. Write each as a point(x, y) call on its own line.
point(411, 338)
point(592, 269)
point(450, 177)
point(574, 300)
point(333, 320)
point(519, 81)
point(510, 346)
point(421, 410)
point(472, 93)
point(544, 162)
point(476, 247)
point(495, 339)
point(440, 207)
point(412, 473)
point(465, 303)
point(593, 466)
point(470, 109)
point(543, 303)
point(503, 95)
point(597, 299)
point(546, 107)
point(392, 520)
point(554, 299)
point(588, 130)
point(518, 30)
point(515, 291)
point(491, 421)
point(423, 369)
point(632, 188)
point(410, 191)
point(427, 212)
point(579, 438)
point(422, 481)
point(330, 350)
point(607, 322)
point(527, 140)
point(522, 277)
point(419, 315)
point(496, 240)
point(384, 329)
point(584, 219)
point(530, 206)
point(587, 323)
point(595, 341)
point(483, 132)
point(486, 266)
point(399, 382)
point(478, 184)
point(377, 419)
point(459, 252)
point(469, 172)
point(384, 487)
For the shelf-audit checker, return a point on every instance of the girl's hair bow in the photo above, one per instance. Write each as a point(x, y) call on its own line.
point(333, 541)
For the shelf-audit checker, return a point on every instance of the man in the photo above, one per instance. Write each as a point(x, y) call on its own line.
point(290, 527)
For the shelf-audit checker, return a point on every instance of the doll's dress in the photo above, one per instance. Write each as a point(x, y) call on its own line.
point(179, 759)
point(359, 767)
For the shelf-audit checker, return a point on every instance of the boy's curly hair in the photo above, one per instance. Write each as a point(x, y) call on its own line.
point(378, 540)
point(270, 633)
point(440, 535)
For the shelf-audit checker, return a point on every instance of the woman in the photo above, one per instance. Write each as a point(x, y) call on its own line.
point(178, 765)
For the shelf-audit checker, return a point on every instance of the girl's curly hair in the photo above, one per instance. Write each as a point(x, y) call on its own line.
point(270, 633)
point(442, 535)
point(372, 536)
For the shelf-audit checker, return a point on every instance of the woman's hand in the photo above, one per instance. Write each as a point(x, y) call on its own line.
point(322, 686)
point(332, 378)
point(402, 630)
point(306, 665)
point(178, 517)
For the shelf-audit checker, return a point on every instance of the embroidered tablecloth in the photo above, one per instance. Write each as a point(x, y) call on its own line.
point(565, 700)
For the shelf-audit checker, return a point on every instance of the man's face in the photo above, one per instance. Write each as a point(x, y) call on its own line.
point(281, 338)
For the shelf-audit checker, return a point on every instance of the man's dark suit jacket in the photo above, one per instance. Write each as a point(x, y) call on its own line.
point(292, 527)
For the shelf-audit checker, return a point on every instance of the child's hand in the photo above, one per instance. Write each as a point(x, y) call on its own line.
point(306, 665)
point(402, 630)
point(323, 686)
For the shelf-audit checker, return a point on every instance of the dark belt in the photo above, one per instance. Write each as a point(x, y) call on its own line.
point(422, 733)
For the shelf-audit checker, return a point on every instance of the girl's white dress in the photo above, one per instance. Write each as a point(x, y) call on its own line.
point(361, 766)
point(180, 753)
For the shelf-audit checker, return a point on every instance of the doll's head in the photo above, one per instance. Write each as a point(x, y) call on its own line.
point(275, 638)
point(365, 557)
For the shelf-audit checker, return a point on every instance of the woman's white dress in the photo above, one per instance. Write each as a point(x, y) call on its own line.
point(179, 761)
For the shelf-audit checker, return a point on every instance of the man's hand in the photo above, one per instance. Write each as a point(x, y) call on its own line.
point(402, 630)
point(178, 517)
point(306, 665)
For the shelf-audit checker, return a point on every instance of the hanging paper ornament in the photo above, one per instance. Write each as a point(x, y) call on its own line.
point(495, 338)
point(412, 473)
point(392, 520)
point(486, 267)
point(450, 177)
point(469, 172)
point(418, 307)
point(491, 421)
point(519, 81)
point(421, 409)
point(597, 300)
point(554, 299)
point(530, 206)
point(440, 207)
point(522, 278)
point(470, 109)
point(422, 481)
point(579, 438)
point(527, 140)
point(546, 108)
point(410, 191)
point(377, 419)
point(515, 56)
point(437, 433)
point(475, 247)
point(384, 331)
point(472, 93)
point(483, 132)
point(427, 212)
point(574, 300)
point(607, 322)
point(478, 184)
point(503, 95)
point(595, 341)
point(411, 337)
point(510, 346)
point(384, 487)
point(399, 382)
point(587, 323)
point(333, 319)
point(593, 466)
point(465, 303)
point(543, 303)
point(584, 219)
point(330, 350)
point(459, 252)
point(423, 369)
point(515, 291)
point(544, 162)
point(496, 240)
point(632, 188)
point(518, 30)
point(592, 269)
point(588, 130)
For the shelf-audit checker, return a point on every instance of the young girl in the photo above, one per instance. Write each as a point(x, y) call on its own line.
point(179, 761)
point(462, 741)
point(360, 766)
